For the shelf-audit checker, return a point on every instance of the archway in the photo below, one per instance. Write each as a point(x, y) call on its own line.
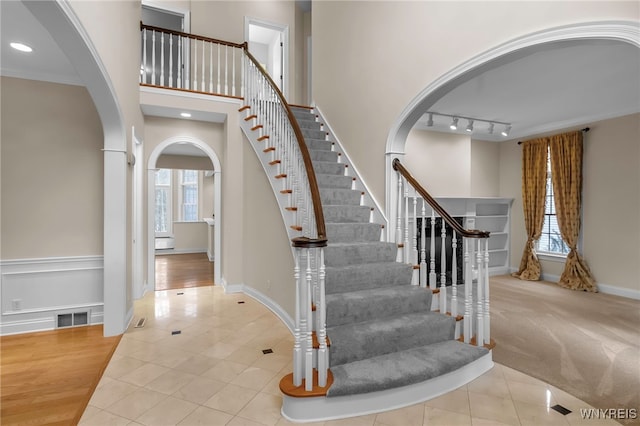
point(151, 201)
point(623, 31)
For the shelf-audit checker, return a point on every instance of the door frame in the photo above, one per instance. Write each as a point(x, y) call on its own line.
point(284, 31)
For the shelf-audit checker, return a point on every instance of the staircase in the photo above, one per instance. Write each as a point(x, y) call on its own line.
point(384, 339)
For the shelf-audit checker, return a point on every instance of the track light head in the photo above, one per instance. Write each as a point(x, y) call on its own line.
point(490, 128)
point(454, 124)
point(506, 131)
point(470, 126)
point(430, 120)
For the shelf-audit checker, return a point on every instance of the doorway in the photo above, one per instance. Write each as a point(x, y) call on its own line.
point(211, 214)
point(269, 44)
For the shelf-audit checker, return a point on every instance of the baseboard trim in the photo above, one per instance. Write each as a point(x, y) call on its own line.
point(603, 288)
point(316, 409)
point(164, 252)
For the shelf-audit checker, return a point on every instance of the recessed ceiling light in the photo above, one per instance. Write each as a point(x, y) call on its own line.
point(185, 114)
point(21, 47)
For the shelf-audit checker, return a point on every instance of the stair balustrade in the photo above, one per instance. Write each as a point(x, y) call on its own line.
point(418, 215)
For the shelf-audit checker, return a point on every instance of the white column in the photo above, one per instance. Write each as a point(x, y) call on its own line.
point(323, 354)
point(487, 311)
point(423, 246)
point(297, 347)
point(443, 267)
point(479, 296)
point(399, 220)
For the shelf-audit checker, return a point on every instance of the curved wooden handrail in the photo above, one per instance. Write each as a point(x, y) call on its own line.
point(321, 240)
point(469, 233)
point(192, 36)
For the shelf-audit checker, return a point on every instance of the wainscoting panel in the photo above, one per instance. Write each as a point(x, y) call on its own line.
point(35, 291)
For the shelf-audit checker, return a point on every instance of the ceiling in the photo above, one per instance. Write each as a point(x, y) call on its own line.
point(554, 86)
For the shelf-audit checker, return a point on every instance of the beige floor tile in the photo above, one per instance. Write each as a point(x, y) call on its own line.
point(245, 355)
point(491, 384)
point(105, 418)
point(170, 382)
point(110, 393)
point(121, 366)
point(221, 350)
point(225, 371)
point(285, 422)
point(411, 415)
point(538, 394)
point(197, 364)
point(263, 408)
point(254, 378)
point(241, 421)
point(272, 362)
point(438, 417)
point(493, 408)
point(368, 420)
point(535, 414)
point(145, 374)
point(136, 403)
point(273, 386)
point(512, 375)
point(88, 413)
point(475, 421)
point(230, 399)
point(169, 412)
point(456, 401)
point(199, 390)
point(203, 416)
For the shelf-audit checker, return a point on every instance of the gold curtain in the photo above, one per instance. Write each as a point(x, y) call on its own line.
point(566, 176)
point(534, 191)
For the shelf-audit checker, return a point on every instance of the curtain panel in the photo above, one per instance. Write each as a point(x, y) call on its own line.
point(534, 191)
point(566, 176)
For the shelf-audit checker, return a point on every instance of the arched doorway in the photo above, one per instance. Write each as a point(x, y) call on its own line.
point(151, 201)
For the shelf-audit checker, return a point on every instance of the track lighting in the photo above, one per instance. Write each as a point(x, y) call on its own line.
point(431, 120)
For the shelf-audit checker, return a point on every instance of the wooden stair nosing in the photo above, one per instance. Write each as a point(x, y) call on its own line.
point(250, 117)
point(490, 345)
point(287, 387)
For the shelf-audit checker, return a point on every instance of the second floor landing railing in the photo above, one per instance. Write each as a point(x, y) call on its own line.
point(418, 217)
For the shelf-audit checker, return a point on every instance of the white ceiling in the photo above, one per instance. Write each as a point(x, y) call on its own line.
point(552, 87)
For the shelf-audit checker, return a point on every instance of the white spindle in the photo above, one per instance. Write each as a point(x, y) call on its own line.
point(233, 72)
point(195, 64)
point(162, 59)
point(423, 246)
point(210, 67)
point(432, 261)
point(454, 280)
point(414, 241)
point(487, 311)
point(406, 247)
point(308, 359)
point(399, 220)
point(468, 283)
point(170, 60)
point(202, 86)
point(144, 56)
point(153, 57)
point(180, 63)
point(226, 70)
point(297, 347)
point(479, 296)
point(323, 354)
point(218, 78)
point(443, 267)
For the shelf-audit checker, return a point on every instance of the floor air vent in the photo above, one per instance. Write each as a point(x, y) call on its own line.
point(74, 319)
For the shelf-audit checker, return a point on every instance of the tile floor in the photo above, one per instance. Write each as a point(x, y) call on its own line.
point(213, 372)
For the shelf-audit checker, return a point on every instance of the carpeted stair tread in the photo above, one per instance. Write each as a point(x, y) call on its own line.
point(366, 276)
point(358, 341)
point(402, 368)
point(343, 254)
point(337, 196)
point(328, 168)
point(334, 181)
point(319, 144)
point(313, 133)
point(353, 232)
point(357, 306)
point(346, 214)
point(323, 155)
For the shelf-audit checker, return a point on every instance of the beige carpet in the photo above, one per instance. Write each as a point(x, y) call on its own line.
point(587, 344)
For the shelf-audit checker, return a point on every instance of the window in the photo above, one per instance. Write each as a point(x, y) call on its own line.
point(189, 195)
point(550, 241)
point(163, 203)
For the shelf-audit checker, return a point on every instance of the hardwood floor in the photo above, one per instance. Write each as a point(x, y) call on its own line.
point(176, 271)
point(48, 377)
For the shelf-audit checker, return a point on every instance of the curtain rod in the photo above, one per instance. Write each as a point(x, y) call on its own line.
point(586, 129)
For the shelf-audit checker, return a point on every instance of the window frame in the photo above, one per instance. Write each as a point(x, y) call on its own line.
point(181, 198)
point(168, 232)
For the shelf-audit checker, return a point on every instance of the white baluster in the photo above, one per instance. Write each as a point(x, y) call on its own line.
point(195, 65)
point(210, 67)
point(153, 57)
point(170, 60)
point(297, 347)
point(202, 86)
point(218, 78)
point(487, 311)
point(399, 220)
point(454, 280)
point(180, 63)
point(432, 261)
point(414, 241)
point(144, 56)
point(323, 354)
point(161, 59)
point(479, 296)
point(226, 70)
point(468, 283)
point(443, 268)
point(308, 359)
point(406, 248)
point(423, 246)
point(233, 71)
